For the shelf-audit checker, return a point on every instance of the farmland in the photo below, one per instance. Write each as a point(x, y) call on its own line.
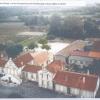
point(9, 32)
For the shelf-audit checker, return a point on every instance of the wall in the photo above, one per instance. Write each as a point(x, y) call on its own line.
point(74, 91)
point(45, 79)
point(60, 88)
point(29, 76)
point(60, 57)
point(1, 69)
point(80, 60)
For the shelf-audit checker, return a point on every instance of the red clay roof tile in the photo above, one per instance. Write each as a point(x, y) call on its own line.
point(76, 80)
point(2, 62)
point(55, 66)
point(38, 57)
point(94, 54)
point(31, 68)
point(79, 53)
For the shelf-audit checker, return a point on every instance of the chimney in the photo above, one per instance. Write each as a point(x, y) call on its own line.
point(2, 55)
point(88, 72)
point(22, 63)
point(10, 59)
point(83, 80)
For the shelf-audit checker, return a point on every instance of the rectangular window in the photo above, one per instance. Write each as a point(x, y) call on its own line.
point(31, 75)
point(42, 83)
point(26, 74)
point(42, 75)
point(72, 61)
point(47, 77)
point(68, 90)
point(81, 62)
point(48, 84)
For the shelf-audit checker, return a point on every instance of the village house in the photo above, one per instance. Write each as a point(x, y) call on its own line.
point(12, 72)
point(93, 45)
point(83, 58)
point(73, 83)
point(80, 58)
point(35, 58)
point(2, 64)
point(65, 52)
point(12, 69)
point(46, 75)
point(30, 72)
point(28, 63)
point(95, 55)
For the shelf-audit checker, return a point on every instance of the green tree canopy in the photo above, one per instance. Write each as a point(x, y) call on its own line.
point(70, 26)
point(14, 50)
point(32, 45)
point(2, 47)
point(45, 46)
point(43, 41)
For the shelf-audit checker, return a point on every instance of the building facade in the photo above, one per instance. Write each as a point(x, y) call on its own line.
point(46, 75)
point(30, 72)
point(12, 69)
point(80, 58)
point(73, 83)
point(45, 79)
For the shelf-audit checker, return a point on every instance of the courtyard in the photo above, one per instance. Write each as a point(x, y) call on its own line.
point(29, 90)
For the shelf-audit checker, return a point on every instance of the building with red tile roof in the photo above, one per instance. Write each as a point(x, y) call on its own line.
point(2, 64)
point(56, 65)
point(31, 68)
point(96, 46)
point(76, 83)
point(12, 72)
point(29, 72)
point(83, 58)
point(47, 74)
point(34, 58)
point(80, 58)
point(90, 54)
point(79, 53)
point(94, 54)
point(23, 59)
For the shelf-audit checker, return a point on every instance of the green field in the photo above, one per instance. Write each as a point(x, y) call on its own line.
point(32, 39)
point(9, 31)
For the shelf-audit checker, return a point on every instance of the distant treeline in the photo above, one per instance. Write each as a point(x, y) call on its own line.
point(63, 24)
point(34, 20)
point(73, 27)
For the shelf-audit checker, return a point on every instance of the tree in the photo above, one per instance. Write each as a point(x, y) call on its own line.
point(32, 45)
point(14, 50)
point(45, 46)
point(55, 26)
point(70, 26)
point(91, 28)
point(43, 41)
point(2, 47)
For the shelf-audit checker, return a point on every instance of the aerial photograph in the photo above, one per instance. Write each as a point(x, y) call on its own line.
point(50, 49)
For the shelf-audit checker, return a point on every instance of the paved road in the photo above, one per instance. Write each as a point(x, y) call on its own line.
point(28, 90)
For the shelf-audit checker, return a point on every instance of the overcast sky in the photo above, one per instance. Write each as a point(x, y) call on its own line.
point(69, 3)
point(86, 1)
